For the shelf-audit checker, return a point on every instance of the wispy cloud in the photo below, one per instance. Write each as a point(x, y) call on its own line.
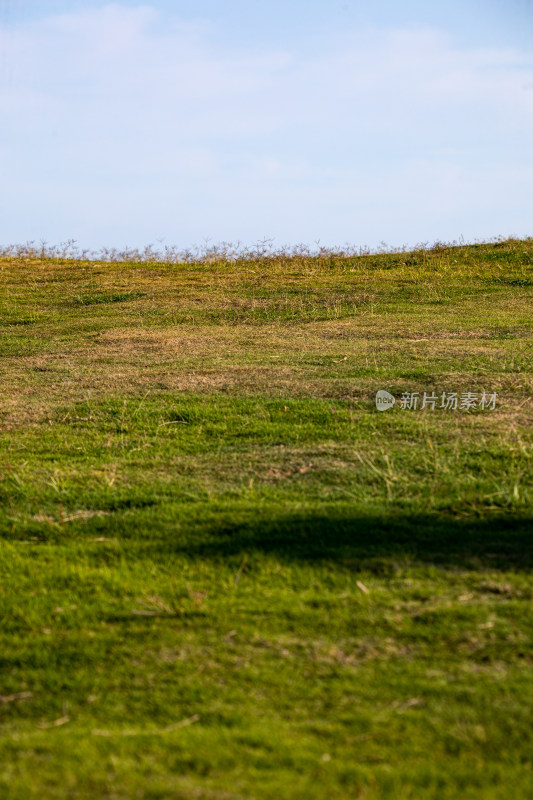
point(122, 124)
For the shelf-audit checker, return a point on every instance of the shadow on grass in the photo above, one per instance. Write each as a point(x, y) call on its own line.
point(376, 543)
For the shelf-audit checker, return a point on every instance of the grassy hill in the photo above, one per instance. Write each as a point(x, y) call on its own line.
point(224, 573)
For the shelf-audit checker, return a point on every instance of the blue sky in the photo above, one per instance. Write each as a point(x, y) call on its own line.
point(124, 124)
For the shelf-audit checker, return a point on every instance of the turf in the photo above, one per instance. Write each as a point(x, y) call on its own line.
point(224, 573)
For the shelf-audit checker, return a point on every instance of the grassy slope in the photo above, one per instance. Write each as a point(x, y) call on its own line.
point(205, 521)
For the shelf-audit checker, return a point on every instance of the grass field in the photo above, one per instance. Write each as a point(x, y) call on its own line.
point(224, 573)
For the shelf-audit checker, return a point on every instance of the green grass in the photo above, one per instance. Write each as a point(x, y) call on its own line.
point(225, 574)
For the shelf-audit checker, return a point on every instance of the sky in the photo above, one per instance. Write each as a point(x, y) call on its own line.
point(305, 121)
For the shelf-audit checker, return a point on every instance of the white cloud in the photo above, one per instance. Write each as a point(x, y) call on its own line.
point(125, 120)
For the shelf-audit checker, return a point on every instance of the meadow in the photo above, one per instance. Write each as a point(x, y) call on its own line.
point(225, 575)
